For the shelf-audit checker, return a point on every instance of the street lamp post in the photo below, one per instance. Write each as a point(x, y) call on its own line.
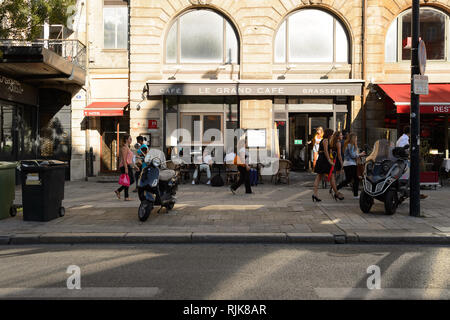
point(414, 204)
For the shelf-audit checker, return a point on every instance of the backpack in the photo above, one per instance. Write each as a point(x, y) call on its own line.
point(217, 181)
point(253, 177)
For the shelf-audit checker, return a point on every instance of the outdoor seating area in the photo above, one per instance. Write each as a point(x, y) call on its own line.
point(229, 172)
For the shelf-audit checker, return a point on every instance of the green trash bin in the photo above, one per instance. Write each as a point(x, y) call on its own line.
point(8, 187)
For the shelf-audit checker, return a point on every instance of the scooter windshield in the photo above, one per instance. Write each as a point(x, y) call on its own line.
point(382, 150)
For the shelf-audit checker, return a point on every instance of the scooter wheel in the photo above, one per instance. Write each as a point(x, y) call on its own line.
point(170, 205)
point(145, 208)
point(13, 211)
point(62, 212)
point(365, 202)
point(390, 202)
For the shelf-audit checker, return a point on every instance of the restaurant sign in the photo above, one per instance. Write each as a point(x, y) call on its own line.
point(13, 90)
point(254, 89)
point(439, 109)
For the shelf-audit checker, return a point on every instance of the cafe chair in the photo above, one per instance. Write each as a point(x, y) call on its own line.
point(185, 173)
point(283, 171)
point(231, 173)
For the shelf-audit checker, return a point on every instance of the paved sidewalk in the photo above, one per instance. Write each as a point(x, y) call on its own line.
point(204, 213)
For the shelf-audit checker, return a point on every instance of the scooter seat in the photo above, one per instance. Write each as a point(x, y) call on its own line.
point(166, 175)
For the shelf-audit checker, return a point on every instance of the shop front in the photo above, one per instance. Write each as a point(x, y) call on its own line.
point(18, 120)
point(281, 116)
point(304, 115)
point(111, 120)
point(434, 114)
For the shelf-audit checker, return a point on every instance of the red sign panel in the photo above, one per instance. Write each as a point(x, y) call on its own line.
point(426, 109)
point(153, 124)
point(103, 113)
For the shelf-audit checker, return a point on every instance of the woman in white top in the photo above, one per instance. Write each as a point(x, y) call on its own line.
point(316, 142)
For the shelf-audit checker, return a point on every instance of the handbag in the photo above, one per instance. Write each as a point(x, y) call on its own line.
point(331, 170)
point(124, 180)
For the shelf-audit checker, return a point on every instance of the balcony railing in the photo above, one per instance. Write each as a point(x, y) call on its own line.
point(71, 50)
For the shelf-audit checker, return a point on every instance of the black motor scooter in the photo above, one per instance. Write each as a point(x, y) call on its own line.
point(386, 177)
point(157, 187)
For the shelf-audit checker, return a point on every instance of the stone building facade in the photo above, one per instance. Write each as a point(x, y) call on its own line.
point(292, 65)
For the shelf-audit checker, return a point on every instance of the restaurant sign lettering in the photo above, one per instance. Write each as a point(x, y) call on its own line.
point(443, 109)
point(13, 90)
point(250, 89)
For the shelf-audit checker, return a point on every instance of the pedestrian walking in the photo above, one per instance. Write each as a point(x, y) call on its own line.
point(125, 165)
point(244, 169)
point(140, 143)
point(324, 163)
point(316, 143)
point(335, 150)
point(350, 168)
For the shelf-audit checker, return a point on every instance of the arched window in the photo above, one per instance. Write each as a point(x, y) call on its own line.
point(311, 35)
point(433, 30)
point(201, 36)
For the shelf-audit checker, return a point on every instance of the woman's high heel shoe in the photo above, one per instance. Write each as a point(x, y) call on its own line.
point(315, 199)
point(336, 197)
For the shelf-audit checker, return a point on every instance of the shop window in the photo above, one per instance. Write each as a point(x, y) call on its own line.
point(203, 127)
point(192, 124)
point(115, 27)
point(341, 121)
point(213, 122)
point(281, 127)
point(6, 132)
point(311, 35)
point(433, 31)
point(17, 132)
point(202, 36)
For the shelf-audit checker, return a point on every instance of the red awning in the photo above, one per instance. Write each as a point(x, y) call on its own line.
point(105, 109)
point(436, 101)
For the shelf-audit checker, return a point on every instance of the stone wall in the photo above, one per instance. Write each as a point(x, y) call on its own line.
point(256, 22)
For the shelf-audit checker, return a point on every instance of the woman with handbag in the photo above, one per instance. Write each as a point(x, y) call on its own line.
point(350, 166)
point(324, 163)
point(336, 151)
point(125, 164)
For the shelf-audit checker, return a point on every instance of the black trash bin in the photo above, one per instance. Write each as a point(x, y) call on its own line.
point(42, 189)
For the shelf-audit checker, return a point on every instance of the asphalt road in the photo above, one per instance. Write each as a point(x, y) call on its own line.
point(247, 271)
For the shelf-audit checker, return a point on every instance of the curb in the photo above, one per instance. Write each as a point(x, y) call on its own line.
point(405, 238)
point(194, 237)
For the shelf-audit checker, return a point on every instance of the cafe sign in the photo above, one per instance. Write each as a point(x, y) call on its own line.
point(254, 89)
point(13, 90)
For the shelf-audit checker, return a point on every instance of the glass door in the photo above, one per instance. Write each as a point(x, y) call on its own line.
point(298, 140)
point(113, 130)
